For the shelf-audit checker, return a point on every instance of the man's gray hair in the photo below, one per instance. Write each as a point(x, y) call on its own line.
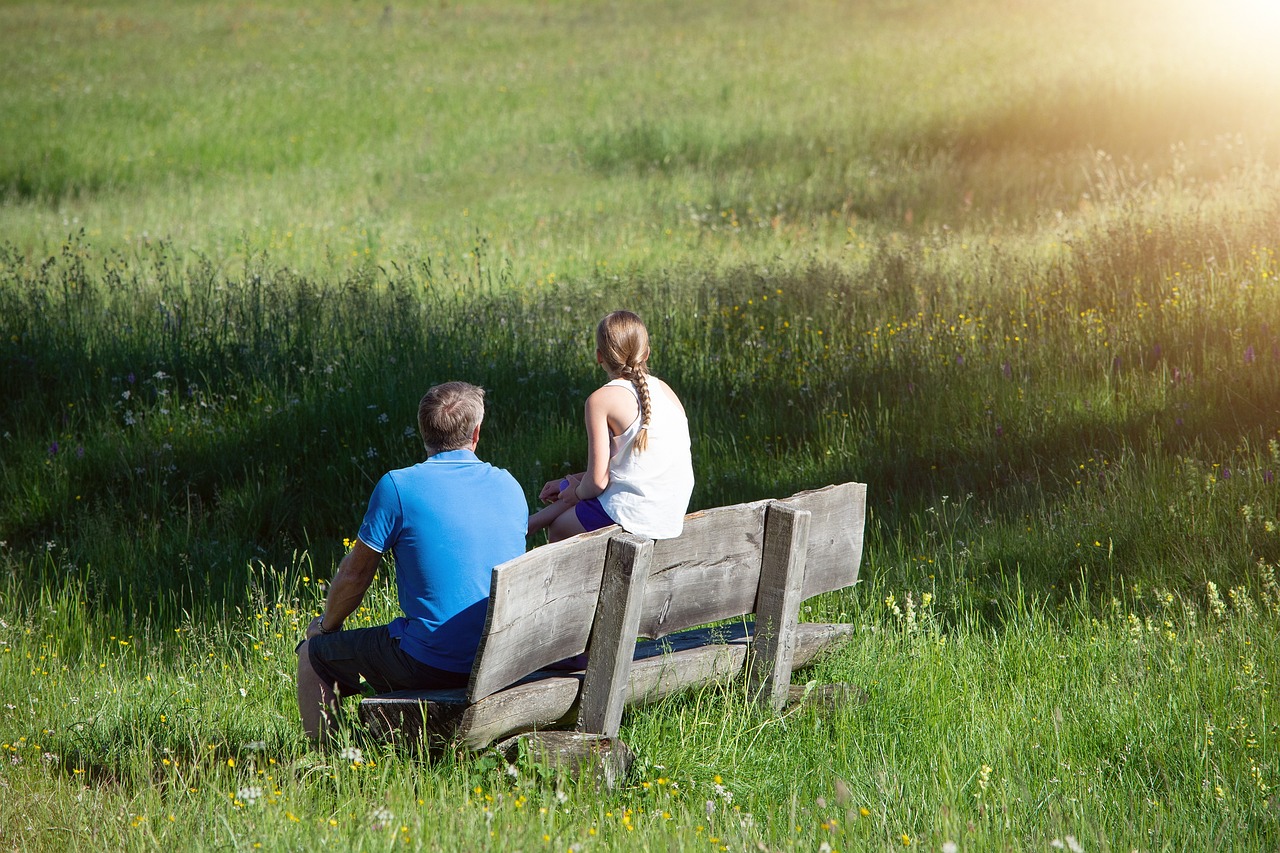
point(449, 414)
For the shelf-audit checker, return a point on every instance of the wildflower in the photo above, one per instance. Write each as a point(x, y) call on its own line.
point(250, 794)
point(354, 754)
point(984, 780)
point(1240, 600)
point(1215, 600)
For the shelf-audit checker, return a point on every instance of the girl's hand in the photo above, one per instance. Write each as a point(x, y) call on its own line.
point(569, 494)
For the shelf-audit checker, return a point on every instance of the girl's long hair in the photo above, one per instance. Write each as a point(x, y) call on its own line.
point(623, 342)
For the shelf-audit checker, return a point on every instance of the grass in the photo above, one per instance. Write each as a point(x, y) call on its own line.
point(1014, 268)
point(1146, 723)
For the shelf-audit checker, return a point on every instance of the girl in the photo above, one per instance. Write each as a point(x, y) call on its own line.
point(639, 468)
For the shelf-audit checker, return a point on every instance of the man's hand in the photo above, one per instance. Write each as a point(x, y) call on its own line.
point(355, 573)
point(550, 492)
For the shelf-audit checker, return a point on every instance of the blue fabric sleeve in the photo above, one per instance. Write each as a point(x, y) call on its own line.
point(384, 518)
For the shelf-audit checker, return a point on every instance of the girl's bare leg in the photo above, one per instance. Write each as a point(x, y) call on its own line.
point(545, 516)
point(566, 524)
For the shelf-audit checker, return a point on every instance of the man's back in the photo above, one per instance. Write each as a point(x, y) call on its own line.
point(448, 521)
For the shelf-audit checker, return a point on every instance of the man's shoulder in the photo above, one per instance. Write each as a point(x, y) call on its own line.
point(475, 471)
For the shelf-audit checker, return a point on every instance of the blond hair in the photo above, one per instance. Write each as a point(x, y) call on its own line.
point(623, 344)
point(449, 414)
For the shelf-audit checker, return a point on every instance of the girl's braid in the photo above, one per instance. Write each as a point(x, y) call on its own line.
point(638, 378)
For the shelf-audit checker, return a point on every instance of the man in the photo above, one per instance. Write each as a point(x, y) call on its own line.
point(448, 521)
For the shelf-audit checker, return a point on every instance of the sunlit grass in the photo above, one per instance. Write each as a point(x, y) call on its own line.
point(330, 134)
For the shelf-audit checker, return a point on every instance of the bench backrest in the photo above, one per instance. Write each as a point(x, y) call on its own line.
point(836, 525)
point(712, 571)
point(541, 608)
point(543, 604)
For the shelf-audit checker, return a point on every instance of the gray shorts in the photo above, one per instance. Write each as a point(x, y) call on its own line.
point(343, 658)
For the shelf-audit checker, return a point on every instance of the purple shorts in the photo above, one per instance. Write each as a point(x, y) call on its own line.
point(591, 515)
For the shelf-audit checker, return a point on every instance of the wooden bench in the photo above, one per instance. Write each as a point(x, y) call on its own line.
point(598, 593)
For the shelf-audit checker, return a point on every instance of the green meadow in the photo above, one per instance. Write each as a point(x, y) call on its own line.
point(1013, 265)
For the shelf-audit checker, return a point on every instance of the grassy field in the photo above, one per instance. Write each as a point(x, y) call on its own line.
point(1012, 265)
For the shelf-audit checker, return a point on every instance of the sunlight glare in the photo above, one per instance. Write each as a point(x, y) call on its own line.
point(1241, 34)
point(1248, 22)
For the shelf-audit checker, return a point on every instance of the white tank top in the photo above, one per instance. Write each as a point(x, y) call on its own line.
point(648, 492)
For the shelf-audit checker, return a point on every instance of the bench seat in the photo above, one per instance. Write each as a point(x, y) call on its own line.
point(548, 698)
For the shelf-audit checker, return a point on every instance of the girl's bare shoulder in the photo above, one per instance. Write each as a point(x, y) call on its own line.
point(609, 395)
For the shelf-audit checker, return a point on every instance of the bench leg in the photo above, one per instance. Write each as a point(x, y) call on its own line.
point(405, 722)
point(605, 759)
point(613, 636)
point(786, 538)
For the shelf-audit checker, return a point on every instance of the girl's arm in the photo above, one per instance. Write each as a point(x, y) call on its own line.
point(596, 478)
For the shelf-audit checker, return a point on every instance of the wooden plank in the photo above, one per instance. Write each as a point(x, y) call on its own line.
point(545, 699)
point(548, 699)
point(407, 717)
point(696, 658)
point(836, 532)
point(708, 574)
point(541, 607)
point(613, 638)
point(814, 638)
point(777, 606)
point(656, 677)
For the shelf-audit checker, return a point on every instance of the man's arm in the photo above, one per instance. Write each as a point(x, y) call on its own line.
point(347, 590)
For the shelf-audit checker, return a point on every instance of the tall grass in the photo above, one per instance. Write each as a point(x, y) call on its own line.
point(1148, 723)
point(1114, 393)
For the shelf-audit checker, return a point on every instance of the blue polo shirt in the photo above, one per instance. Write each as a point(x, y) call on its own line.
point(448, 521)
